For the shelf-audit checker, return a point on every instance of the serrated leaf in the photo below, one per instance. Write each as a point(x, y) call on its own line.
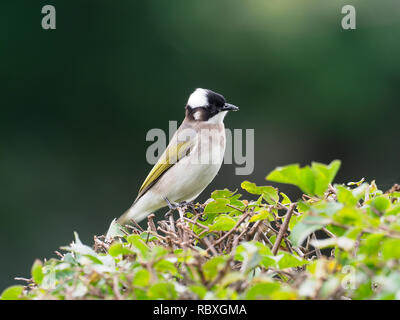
point(217, 206)
point(312, 180)
point(223, 223)
point(269, 193)
point(217, 194)
point(261, 215)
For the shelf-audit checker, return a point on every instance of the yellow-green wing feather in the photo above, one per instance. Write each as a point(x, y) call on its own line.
point(171, 155)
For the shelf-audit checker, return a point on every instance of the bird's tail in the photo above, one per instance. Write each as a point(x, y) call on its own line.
point(136, 213)
point(123, 219)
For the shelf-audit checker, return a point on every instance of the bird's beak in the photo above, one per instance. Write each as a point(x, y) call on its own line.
point(229, 107)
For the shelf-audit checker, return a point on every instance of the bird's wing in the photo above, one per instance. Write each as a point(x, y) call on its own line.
point(175, 151)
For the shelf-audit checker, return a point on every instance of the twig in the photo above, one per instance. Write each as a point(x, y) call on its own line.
point(23, 279)
point(116, 289)
point(265, 238)
point(167, 232)
point(137, 225)
point(196, 223)
point(171, 221)
point(253, 229)
point(244, 216)
point(329, 233)
point(236, 208)
point(151, 224)
point(210, 246)
point(317, 250)
point(283, 229)
point(59, 254)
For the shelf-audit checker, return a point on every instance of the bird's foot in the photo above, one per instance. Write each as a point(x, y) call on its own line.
point(174, 205)
point(171, 205)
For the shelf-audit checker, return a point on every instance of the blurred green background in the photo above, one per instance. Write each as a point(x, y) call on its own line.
point(77, 102)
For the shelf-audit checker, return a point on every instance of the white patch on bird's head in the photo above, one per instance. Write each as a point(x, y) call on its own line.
point(198, 98)
point(218, 118)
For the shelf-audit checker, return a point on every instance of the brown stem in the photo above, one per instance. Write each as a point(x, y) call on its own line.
point(283, 229)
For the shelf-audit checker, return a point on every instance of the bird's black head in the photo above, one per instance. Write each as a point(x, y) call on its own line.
point(207, 105)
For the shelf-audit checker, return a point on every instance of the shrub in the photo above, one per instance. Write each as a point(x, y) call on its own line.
point(336, 242)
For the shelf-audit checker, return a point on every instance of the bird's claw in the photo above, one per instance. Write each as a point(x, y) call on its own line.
point(174, 206)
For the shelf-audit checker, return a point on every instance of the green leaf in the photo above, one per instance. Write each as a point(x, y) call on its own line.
point(381, 203)
point(312, 180)
point(217, 206)
point(199, 290)
point(12, 293)
point(165, 266)
point(345, 196)
point(162, 290)
point(294, 220)
point(115, 230)
point(287, 260)
point(37, 272)
point(372, 244)
point(391, 249)
point(305, 227)
point(262, 291)
point(141, 278)
point(222, 194)
point(117, 249)
point(261, 215)
point(159, 251)
point(270, 194)
point(223, 223)
point(348, 216)
point(213, 266)
point(395, 210)
point(146, 236)
point(324, 175)
point(138, 245)
point(232, 277)
point(285, 199)
point(250, 254)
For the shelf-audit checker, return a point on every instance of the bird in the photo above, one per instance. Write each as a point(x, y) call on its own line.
point(191, 160)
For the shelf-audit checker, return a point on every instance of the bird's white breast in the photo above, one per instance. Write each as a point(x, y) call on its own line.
point(191, 175)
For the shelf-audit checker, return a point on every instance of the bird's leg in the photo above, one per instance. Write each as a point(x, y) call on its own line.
point(171, 206)
point(174, 205)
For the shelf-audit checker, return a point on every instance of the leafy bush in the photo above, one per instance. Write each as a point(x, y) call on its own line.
point(337, 242)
